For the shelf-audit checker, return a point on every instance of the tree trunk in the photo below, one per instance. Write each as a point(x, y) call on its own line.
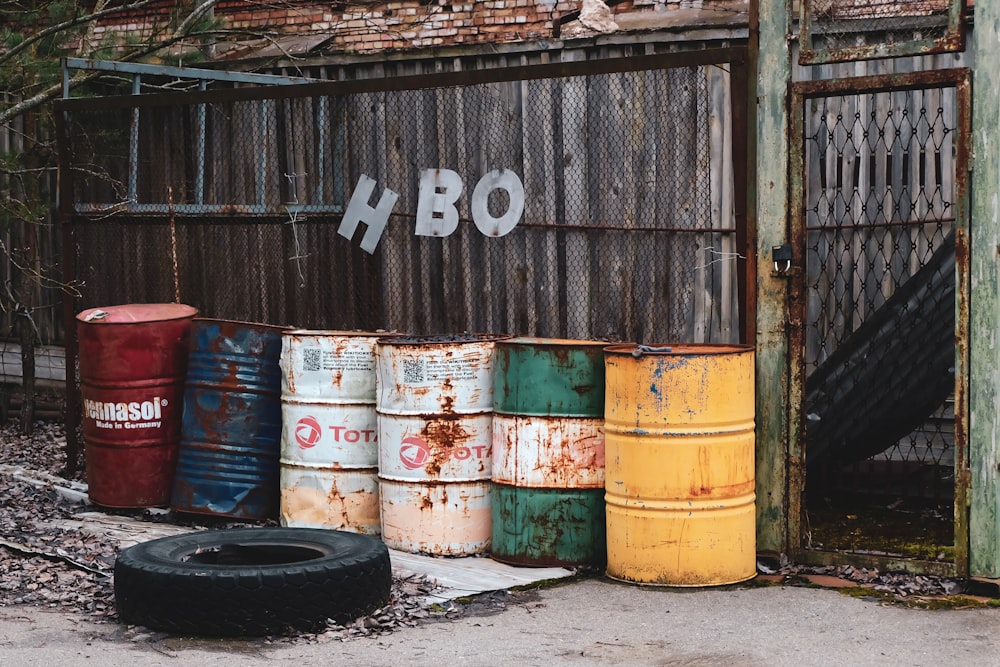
point(24, 284)
point(26, 337)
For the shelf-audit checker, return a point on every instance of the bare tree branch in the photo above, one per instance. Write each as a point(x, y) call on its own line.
point(103, 11)
point(55, 90)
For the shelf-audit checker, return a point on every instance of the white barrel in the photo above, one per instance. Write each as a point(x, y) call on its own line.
point(435, 415)
point(329, 435)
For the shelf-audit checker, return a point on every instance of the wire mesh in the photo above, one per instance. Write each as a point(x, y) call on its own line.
point(881, 283)
point(627, 233)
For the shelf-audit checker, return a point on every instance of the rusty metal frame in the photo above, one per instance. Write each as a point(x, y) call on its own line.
point(952, 40)
point(961, 80)
point(716, 56)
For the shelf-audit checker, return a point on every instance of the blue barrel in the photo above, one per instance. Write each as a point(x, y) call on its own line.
point(231, 431)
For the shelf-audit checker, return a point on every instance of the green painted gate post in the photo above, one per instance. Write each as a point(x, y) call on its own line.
point(772, 57)
point(984, 362)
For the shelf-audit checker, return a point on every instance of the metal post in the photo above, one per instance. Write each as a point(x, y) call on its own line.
point(769, 25)
point(133, 146)
point(984, 356)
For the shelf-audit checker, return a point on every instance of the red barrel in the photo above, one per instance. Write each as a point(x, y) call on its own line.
point(133, 360)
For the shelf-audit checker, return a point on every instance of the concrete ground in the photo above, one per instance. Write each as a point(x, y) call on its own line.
point(584, 622)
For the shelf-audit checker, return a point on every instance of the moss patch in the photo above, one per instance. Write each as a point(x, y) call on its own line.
point(926, 533)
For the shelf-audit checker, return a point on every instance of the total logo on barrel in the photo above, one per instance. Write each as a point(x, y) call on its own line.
point(347, 435)
point(309, 432)
point(415, 453)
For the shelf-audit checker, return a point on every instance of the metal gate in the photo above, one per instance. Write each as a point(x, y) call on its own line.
point(880, 319)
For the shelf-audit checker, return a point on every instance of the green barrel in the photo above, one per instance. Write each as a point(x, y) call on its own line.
point(548, 452)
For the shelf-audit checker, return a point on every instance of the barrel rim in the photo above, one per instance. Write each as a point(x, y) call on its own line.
point(442, 339)
point(184, 312)
point(346, 333)
point(530, 341)
point(677, 349)
point(261, 325)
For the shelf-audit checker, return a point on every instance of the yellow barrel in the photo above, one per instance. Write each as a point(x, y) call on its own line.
point(679, 476)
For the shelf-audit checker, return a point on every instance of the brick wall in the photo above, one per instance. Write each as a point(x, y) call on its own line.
point(405, 24)
point(366, 27)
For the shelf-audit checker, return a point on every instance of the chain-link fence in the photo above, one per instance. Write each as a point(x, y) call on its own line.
point(234, 201)
point(880, 281)
point(841, 30)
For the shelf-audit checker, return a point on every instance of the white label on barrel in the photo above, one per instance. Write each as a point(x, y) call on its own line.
point(318, 359)
point(132, 415)
point(420, 371)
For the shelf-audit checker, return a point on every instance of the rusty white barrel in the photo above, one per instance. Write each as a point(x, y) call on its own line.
point(329, 435)
point(435, 412)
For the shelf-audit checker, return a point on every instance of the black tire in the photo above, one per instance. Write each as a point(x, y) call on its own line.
point(251, 581)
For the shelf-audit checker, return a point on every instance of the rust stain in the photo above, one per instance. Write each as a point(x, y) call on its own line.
point(562, 355)
point(447, 399)
point(443, 435)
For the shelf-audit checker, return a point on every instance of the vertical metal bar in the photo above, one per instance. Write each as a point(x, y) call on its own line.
point(984, 359)
point(341, 163)
point(202, 130)
point(322, 118)
point(955, 36)
point(772, 73)
point(65, 204)
point(262, 154)
point(796, 318)
point(133, 147)
point(739, 81)
point(805, 27)
point(963, 101)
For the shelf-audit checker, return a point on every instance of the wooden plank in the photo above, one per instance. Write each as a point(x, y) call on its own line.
point(538, 131)
point(575, 119)
point(466, 285)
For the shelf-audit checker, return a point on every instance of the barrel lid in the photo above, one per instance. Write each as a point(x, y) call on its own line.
point(552, 342)
point(340, 333)
point(137, 312)
point(240, 324)
point(442, 339)
point(677, 349)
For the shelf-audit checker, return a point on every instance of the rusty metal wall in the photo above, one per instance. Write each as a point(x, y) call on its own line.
point(231, 200)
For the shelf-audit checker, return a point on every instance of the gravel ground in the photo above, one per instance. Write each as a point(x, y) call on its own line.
point(42, 565)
